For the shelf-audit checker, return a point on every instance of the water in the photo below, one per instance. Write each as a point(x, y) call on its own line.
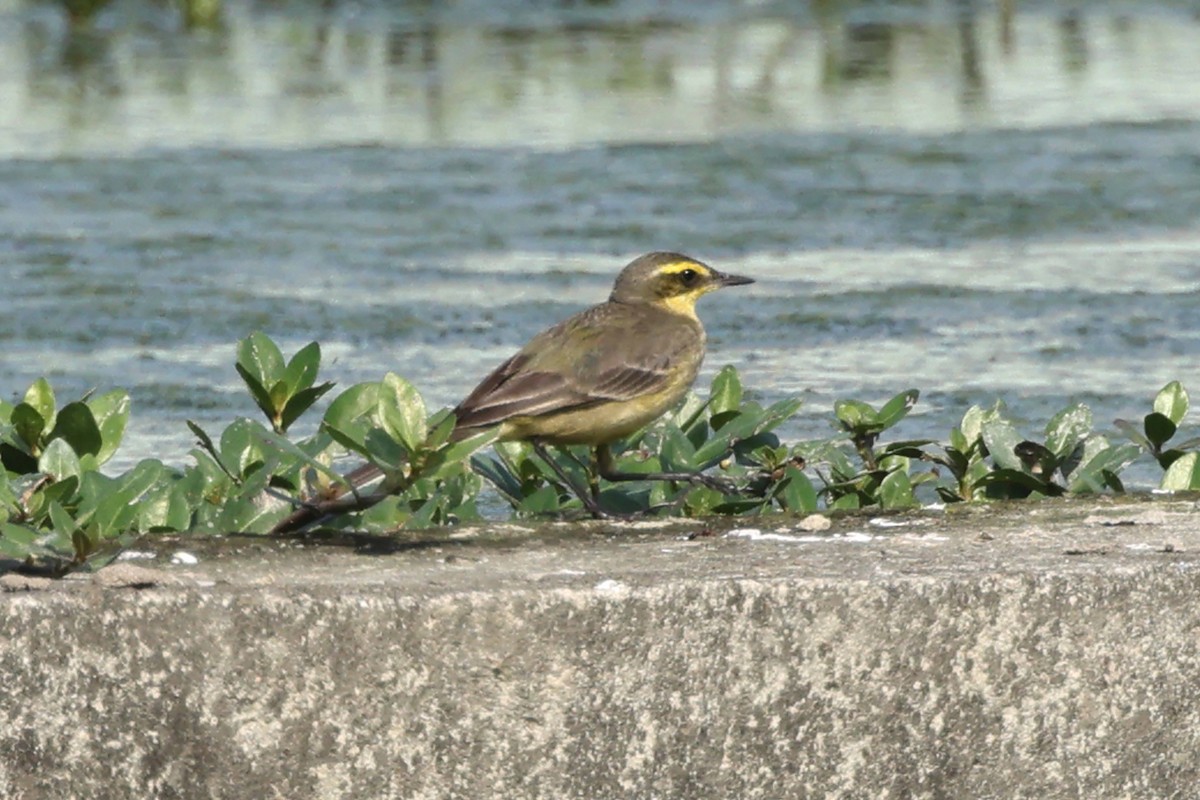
point(937, 195)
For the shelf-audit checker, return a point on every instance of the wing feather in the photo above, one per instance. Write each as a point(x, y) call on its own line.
point(541, 381)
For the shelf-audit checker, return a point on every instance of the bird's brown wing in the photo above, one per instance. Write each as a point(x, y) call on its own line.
point(532, 394)
point(512, 390)
point(546, 378)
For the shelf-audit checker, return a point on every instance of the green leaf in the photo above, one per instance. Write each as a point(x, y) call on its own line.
point(441, 427)
point(797, 492)
point(541, 501)
point(279, 394)
point(897, 408)
point(345, 419)
point(908, 449)
point(855, 416)
point(1067, 428)
point(386, 452)
point(164, 508)
point(386, 517)
point(402, 411)
point(274, 441)
point(59, 461)
point(202, 482)
point(1183, 474)
point(691, 413)
point(1172, 402)
point(28, 423)
point(260, 364)
point(18, 541)
point(500, 476)
point(260, 358)
point(117, 509)
point(1100, 469)
point(1015, 484)
point(701, 500)
point(459, 452)
point(718, 421)
point(1135, 435)
point(726, 392)
point(63, 491)
point(16, 461)
point(262, 398)
point(239, 446)
point(40, 397)
point(301, 371)
point(895, 491)
point(250, 514)
point(300, 402)
point(958, 443)
point(676, 452)
point(1001, 439)
point(78, 427)
point(779, 412)
point(111, 413)
point(8, 499)
point(1159, 429)
point(846, 502)
point(61, 520)
point(972, 426)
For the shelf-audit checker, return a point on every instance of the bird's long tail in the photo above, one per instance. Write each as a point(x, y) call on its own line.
point(339, 499)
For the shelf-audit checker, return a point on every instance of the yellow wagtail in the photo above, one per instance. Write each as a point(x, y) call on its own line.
point(606, 372)
point(596, 377)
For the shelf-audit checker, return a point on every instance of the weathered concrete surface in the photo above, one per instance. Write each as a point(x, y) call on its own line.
point(1030, 651)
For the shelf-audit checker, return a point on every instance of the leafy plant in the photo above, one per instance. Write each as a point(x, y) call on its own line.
point(882, 475)
point(59, 512)
point(1181, 464)
point(723, 432)
point(56, 509)
point(282, 391)
point(90, 428)
point(965, 456)
point(426, 475)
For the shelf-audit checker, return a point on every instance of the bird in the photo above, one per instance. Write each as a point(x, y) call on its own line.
point(599, 375)
point(606, 372)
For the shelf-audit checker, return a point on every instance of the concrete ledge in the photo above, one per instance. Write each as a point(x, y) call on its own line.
point(1041, 650)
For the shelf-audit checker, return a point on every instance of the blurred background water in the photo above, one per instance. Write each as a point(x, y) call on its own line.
point(983, 199)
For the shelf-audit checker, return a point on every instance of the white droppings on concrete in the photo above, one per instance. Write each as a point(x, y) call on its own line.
point(134, 555)
point(756, 535)
point(884, 522)
point(184, 557)
point(651, 524)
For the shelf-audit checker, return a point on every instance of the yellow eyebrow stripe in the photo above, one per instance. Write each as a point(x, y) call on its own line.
point(676, 267)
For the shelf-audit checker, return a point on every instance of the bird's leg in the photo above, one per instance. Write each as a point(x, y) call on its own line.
point(585, 496)
point(608, 470)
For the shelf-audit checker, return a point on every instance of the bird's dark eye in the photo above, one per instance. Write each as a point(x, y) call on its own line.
point(689, 276)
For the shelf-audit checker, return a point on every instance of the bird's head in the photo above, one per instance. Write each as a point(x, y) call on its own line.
point(670, 281)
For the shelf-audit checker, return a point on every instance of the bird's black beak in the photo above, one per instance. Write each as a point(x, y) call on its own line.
point(725, 279)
